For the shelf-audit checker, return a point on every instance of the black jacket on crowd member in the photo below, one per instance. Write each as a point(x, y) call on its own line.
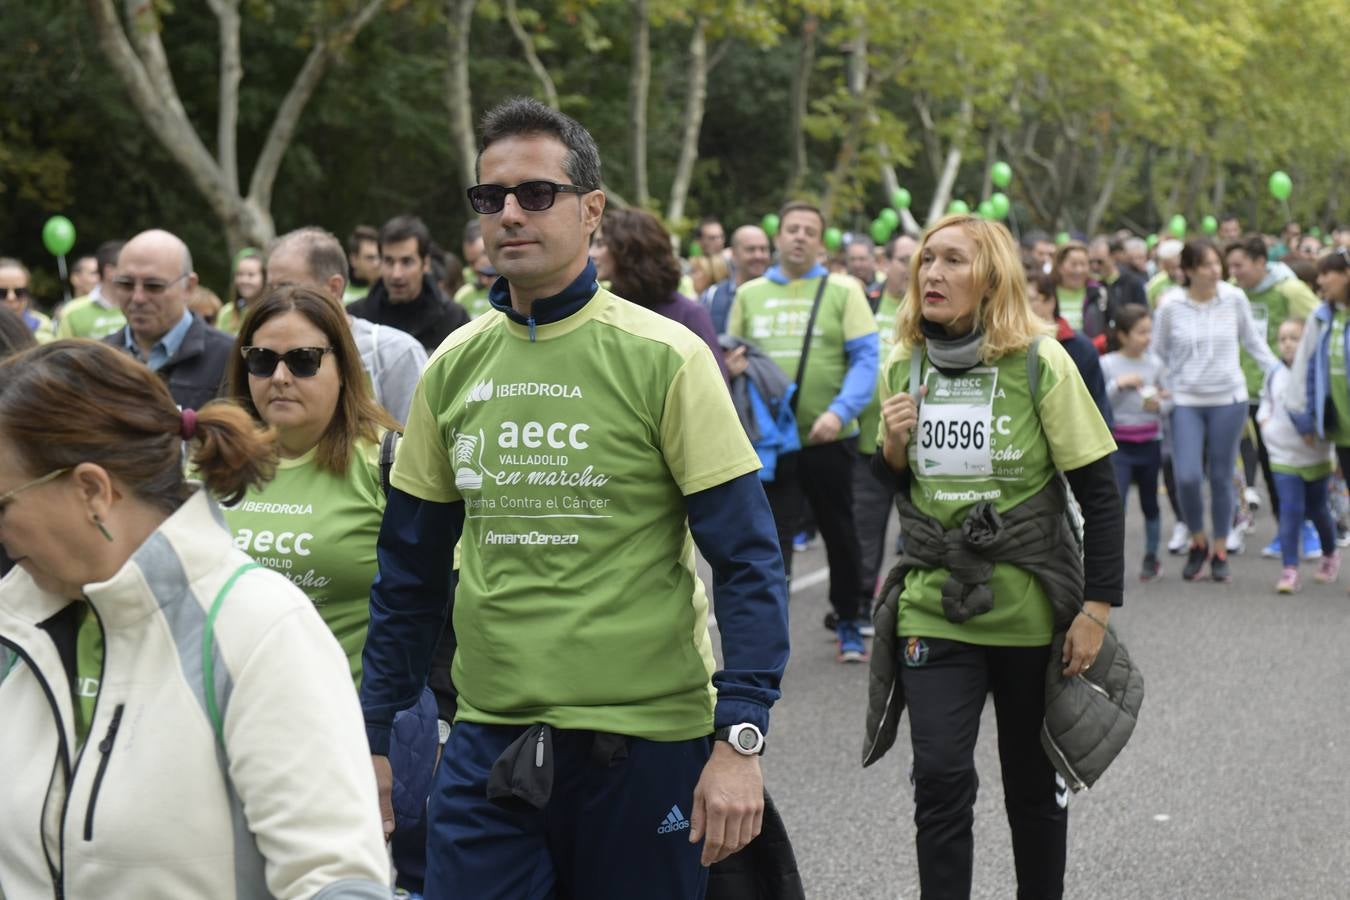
point(196, 373)
point(429, 318)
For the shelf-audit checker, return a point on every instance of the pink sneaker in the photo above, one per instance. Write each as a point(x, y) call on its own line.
point(1329, 568)
point(1289, 581)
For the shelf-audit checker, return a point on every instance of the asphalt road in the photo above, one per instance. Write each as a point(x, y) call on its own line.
point(1236, 783)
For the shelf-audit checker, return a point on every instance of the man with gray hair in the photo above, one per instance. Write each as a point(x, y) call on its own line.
point(1136, 258)
point(313, 258)
point(153, 283)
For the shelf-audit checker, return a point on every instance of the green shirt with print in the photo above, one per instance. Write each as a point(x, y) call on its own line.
point(319, 530)
point(1071, 306)
point(85, 317)
point(578, 603)
point(773, 317)
point(1339, 433)
point(869, 419)
point(1027, 442)
point(474, 299)
point(88, 671)
point(1287, 299)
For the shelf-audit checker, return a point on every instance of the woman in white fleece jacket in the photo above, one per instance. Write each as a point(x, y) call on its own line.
point(1200, 325)
point(177, 721)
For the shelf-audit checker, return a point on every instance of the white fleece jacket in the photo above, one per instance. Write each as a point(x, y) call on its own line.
point(1198, 345)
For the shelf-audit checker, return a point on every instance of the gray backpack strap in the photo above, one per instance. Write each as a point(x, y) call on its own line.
point(915, 372)
point(1034, 369)
point(213, 709)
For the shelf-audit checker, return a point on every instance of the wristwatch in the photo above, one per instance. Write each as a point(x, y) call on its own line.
point(745, 739)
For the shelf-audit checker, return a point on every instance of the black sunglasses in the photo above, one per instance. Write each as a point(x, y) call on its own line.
point(302, 362)
point(533, 196)
point(19, 293)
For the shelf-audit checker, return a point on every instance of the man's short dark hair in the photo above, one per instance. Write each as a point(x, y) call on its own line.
point(706, 220)
point(1228, 217)
point(362, 234)
point(525, 116)
point(1253, 245)
point(400, 228)
point(802, 206)
point(473, 230)
point(1031, 238)
point(321, 251)
point(107, 254)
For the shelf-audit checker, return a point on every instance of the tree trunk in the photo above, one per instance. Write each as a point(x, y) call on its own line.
point(694, 105)
point(1108, 188)
point(850, 145)
point(1216, 199)
point(952, 165)
point(459, 19)
point(531, 54)
point(638, 87)
point(801, 92)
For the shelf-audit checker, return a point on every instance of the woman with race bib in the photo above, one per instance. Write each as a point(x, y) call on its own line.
point(984, 407)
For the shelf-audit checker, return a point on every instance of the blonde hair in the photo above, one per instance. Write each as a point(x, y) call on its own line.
point(1003, 313)
point(714, 268)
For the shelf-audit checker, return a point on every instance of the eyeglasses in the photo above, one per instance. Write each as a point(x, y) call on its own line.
point(533, 196)
point(153, 287)
point(16, 293)
point(50, 476)
point(302, 362)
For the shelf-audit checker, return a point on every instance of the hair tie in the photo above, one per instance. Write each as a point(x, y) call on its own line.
point(188, 425)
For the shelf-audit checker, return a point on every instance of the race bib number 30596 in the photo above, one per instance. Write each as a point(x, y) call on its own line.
point(953, 433)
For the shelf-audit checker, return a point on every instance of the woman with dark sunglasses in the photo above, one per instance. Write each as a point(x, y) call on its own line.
point(16, 296)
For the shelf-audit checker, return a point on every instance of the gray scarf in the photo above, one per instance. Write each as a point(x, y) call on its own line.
point(952, 354)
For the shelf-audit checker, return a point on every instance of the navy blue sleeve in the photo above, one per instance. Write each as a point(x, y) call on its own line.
point(408, 604)
point(734, 530)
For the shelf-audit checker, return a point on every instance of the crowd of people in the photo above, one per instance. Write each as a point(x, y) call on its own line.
point(386, 502)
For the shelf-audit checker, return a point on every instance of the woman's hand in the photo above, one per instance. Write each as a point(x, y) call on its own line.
point(1152, 404)
point(1084, 640)
point(901, 416)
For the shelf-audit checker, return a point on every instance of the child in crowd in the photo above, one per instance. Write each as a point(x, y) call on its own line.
point(1301, 469)
point(1133, 385)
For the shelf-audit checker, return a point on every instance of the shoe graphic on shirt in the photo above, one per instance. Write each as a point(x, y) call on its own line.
point(466, 477)
point(673, 822)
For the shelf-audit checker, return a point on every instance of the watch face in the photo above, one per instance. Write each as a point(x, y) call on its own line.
point(747, 739)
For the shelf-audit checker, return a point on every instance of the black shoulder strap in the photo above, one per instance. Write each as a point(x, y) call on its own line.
point(806, 342)
point(387, 449)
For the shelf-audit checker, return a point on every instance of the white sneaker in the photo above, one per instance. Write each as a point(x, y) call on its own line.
point(1236, 541)
point(1253, 498)
point(1181, 539)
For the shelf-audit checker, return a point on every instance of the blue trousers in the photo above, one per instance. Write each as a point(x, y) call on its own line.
point(1301, 500)
point(1206, 438)
point(608, 832)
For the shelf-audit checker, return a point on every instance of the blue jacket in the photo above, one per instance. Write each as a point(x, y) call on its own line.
point(1314, 352)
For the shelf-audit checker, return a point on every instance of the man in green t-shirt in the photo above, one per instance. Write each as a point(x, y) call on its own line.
point(576, 447)
point(473, 296)
point(363, 259)
point(95, 315)
point(775, 313)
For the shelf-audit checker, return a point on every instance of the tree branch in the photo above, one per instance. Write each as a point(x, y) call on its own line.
point(231, 72)
point(639, 86)
point(694, 105)
point(531, 56)
point(458, 21)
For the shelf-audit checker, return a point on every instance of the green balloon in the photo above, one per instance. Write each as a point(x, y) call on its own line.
point(834, 239)
point(890, 217)
point(900, 198)
point(58, 235)
point(881, 232)
point(1062, 238)
point(1209, 225)
point(1281, 185)
point(770, 224)
point(985, 209)
point(1001, 205)
point(1001, 175)
point(1152, 241)
point(958, 207)
point(1176, 226)
point(1315, 231)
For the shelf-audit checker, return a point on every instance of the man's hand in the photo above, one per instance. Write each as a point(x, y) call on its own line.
point(728, 804)
point(737, 361)
point(384, 783)
point(901, 416)
point(825, 429)
point(1084, 640)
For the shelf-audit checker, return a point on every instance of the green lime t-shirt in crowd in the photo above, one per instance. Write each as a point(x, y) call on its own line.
point(1340, 391)
point(869, 419)
point(474, 299)
point(773, 317)
point(1071, 306)
point(981, 437)
point(88, 670)
point(1287, 299)
point(85, 317)
point(578, 605)
point(319, 530)
point(1155, 287)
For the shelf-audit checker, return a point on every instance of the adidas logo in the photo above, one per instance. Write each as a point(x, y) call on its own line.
point(674, 821)
point(480, 392)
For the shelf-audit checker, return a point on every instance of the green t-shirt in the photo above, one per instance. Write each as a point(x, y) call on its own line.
point(230, 318)
point(474, 299)
point(985, 422)
point(1156, 285)
point(320, 530)
point(88, 671)
point(773, 317)
point(1290, 298)
point(84, 317)
point(869, 420)
point(1071, 306)
point(578, 604)
point(1340, 391)
point(351, 293)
